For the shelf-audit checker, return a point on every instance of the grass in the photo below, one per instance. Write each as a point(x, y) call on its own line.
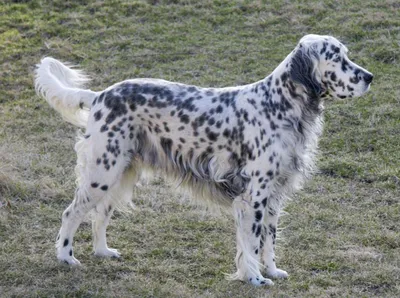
point(341, 236)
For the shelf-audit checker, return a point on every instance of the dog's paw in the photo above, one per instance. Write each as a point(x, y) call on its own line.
point(107, 252)
point(70, 260)
point(277, 273)
point(260, 281)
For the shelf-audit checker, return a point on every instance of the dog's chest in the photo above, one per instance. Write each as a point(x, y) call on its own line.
point(291, 155)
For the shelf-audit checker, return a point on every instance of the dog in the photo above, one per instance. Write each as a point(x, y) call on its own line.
point(245, 149)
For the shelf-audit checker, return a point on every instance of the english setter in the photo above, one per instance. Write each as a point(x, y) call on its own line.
point(247, 147)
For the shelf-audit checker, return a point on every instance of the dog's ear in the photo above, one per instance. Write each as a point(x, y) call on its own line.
point(304, 70)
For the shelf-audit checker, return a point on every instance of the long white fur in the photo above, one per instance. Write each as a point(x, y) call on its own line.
point(61, 86)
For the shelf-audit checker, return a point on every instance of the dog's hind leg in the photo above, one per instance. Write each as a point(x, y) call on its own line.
point(102, 216)
point(119, 196)
point(94, 183)
point(85, 199)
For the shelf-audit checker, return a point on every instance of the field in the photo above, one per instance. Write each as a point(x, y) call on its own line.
point(341, 234)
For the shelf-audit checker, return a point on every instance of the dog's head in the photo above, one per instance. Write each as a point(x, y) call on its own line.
point(321, 65)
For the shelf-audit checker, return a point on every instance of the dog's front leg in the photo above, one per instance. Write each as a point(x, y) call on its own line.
point(268, 240)
point(249, 221)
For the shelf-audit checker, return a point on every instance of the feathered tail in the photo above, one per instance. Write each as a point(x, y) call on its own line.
point(61, 86)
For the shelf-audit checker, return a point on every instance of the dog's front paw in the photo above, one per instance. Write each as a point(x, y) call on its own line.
point(260, 281)
point(277, 273)
point(107, 252)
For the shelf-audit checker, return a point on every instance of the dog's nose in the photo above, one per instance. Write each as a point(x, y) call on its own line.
point(368, 78)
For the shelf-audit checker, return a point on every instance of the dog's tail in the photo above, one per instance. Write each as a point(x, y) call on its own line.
point(61, 86)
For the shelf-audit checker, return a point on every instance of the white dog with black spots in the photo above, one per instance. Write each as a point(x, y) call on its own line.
point(244, 148)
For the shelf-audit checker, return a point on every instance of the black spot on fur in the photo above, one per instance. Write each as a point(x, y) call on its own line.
point(132, 106)
point(226, 133)
point(335, 49)
point(258, 231)
point(185, 119)
point(166, 144)
point(103, 128)
point(66, 241)
point(345, 65)
point(258, 215)
point(192, 89)
point(264, 202)
point(117, 107)
point(212, 136)
point(97, 116)
point(94, 185)
point(323, 50)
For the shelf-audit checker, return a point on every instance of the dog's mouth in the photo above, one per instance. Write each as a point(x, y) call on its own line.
point(367, 87)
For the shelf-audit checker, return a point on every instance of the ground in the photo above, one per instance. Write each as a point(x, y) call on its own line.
point(340, 235)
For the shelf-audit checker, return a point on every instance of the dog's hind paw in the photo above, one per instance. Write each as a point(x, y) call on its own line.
point(277, 273)
point(72, 261)
point(260, 281)
point(107, 252)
